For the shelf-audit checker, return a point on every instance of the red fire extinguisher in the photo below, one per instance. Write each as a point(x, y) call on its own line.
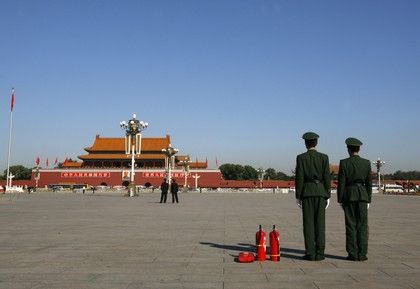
point(260, 244)
point(274, 245)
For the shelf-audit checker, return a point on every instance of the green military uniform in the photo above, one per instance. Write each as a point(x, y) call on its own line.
point(354, 192)
point(312, 183)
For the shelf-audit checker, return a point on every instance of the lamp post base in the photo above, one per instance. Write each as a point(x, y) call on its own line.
point(131, 192)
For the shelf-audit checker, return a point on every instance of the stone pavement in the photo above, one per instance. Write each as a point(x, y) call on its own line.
point(65, 240)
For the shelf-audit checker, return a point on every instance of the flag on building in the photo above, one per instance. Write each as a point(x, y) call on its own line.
point(56, 161)
point(46, 162)
point(37, 161)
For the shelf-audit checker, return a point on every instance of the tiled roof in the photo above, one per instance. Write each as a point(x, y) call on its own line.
point(118, 156)
point(106, 144)
point(70, 164)
point(198, 165)
point(193, 164)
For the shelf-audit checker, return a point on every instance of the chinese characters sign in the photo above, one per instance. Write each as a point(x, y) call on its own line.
point(85, 175)
point(162, 175)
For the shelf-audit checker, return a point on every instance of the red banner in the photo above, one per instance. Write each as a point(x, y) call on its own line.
point(85, 175)
point(162, 175)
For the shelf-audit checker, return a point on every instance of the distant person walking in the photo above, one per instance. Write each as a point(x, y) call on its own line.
point(174, 191)
point(164, 187)
point(312, 196)
point(354, 193)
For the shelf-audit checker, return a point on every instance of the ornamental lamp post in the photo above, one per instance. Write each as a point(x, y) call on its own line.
point(196, 177)
point(37, 177)
point(378, 165)
point(261, 173)
point(169, 161)
point(186, 168)
point(133, 129)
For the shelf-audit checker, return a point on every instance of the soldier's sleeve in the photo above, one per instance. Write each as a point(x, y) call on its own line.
point(298, 178)
point(341, 182)
point(368, 182)
point(327, 177)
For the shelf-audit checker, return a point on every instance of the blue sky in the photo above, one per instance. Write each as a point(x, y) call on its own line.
point(237, 80)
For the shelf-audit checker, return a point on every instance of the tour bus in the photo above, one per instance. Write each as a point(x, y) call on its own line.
point(393, 188)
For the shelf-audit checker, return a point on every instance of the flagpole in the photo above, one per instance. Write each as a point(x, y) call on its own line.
point(8, 178)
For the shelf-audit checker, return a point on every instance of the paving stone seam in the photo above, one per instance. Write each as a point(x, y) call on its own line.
point(351, 277)
point(315, 285)
point(408, 266)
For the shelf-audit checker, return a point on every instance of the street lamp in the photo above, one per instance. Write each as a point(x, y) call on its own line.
point(133, 129)
point(186, 168)
point(196, 177)
point(261, 173)
point(37, 176)
point(169, 161)
point(378, 165)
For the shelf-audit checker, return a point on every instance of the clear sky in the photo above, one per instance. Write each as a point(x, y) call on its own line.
point(237, 80)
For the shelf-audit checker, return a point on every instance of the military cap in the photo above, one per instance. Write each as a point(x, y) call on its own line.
point(310, 135)
point(352, 141)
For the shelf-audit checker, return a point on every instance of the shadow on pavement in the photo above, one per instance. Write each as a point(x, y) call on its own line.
point(239, 247)
point(297, 254)
point(289, 253)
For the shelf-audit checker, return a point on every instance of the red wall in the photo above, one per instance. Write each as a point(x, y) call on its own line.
point(208, 178)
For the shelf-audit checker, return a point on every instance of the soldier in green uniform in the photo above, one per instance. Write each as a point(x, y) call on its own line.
point(313, 186)
point(354, 193)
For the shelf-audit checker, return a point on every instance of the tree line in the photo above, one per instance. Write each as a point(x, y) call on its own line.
point(400, 175)
point(247, 172)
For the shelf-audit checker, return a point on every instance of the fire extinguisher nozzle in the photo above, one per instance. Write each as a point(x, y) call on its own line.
point(274, 227)
point(260, 227)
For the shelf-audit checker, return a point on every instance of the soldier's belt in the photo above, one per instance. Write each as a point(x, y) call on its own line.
point(313, 181)
point(356, 185)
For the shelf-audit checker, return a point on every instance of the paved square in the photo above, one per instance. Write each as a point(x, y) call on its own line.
point(66, 240)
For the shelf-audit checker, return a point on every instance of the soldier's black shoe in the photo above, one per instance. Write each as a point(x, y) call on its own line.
point(319, 257)
point(363, 258)
point(352, 258)
point(309, 257)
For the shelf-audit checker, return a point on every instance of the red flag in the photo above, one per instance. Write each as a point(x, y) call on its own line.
point(37, 161)
point(12, 102)
point(46, 163)
point(56, 161)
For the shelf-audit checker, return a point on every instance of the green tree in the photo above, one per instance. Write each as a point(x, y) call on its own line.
point(249, 173)
point(20, 172)
point(400, 175)
point(231, 171)
point(282, 176)
point(270, 174)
